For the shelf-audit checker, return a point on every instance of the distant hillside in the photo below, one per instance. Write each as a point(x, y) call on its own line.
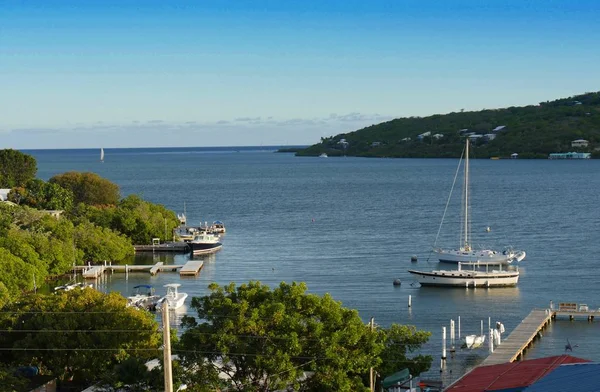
point(531, 131)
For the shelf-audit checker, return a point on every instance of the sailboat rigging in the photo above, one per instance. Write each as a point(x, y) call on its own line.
point(465, 251)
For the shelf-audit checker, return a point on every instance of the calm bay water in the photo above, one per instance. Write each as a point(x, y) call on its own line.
point(348, 226)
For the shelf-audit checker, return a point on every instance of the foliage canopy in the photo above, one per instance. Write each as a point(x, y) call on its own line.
point(16, 168)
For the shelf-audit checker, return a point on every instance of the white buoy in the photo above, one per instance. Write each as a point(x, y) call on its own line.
point(488, 229)
point(410, 301)
point(443, 342)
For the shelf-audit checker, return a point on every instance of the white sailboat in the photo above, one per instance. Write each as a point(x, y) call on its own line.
point(465, 252)
point(474, 277)
point(101, 154)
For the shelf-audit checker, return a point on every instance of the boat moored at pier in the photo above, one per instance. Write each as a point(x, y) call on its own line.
point(468, 278)
point(205, 243)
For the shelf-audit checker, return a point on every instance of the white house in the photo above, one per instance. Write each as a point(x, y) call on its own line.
point(499, 128)
point(424, 135)
point(475, 137)
point(375, 144)
point(406, 139)
point(490, 136)
point(438, 136)
point(4, 194)
point(579, 143)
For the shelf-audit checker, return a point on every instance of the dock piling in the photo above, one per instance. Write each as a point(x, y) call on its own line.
point(452, 334)
point(491, 340)
point(443, 342)
point(410, 301)
point(458, 327)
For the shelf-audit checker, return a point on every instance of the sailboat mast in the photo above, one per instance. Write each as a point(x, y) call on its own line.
point(466, 206)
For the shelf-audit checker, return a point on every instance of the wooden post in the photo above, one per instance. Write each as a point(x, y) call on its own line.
point(452, 334)
point(167, 348)
point(371, 379)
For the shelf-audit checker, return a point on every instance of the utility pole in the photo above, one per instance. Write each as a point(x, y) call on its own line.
point(371, 378)
point(167, 348)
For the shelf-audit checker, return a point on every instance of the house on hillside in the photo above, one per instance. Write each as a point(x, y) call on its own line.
point(475, 137)
point(489, 136)
point(424, 135)
point(375, 144)
point(499, 128)
point(438, 136)
point(406, 139)
point(580, 143)
point(343, 143)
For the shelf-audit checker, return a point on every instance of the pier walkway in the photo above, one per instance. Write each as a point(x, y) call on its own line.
point(95, 271)
point(520, 338)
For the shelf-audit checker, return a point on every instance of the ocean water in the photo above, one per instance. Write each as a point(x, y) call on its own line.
point(348, 226)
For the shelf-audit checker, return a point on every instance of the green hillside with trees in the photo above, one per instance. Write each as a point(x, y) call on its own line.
point(531, 131)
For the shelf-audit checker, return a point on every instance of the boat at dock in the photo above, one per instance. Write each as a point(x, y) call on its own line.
point(205, 243)
point(465, 251)
point(173, 299)
point(73, 286)
point(217, 227)
point(468, 278)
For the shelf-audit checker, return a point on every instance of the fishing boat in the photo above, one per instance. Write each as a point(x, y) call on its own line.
point(101, 154)
point(205, 242)
point(217, 227)
point(474, 277)
point(143, 297)
point(173, 299)
point(465, 251)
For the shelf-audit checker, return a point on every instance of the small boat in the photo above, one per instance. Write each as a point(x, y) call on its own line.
point(102, 155)
point(468, 278)
point(73, 286)
point(217, 227)
point(143, 297)
point(173, 298)
point(323, 155)
point(465, 251)
point(205, 243)
point(473, 341)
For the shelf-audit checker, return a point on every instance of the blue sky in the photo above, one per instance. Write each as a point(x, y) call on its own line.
point(138, 73)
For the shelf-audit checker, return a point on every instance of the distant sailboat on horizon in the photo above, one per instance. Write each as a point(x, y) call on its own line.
point(102, 155)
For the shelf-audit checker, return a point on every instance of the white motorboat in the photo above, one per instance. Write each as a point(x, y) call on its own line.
point(474, 277)
point(474, 341)
point(323, 155)
point(143, 297)
point(205, 242)
point(73, 286)
point(217, 227)
point(465, 252)
point(173, 298)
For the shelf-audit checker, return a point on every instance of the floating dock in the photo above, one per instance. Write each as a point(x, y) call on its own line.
point(191, 268)
point(95, 271)
point(178, 247)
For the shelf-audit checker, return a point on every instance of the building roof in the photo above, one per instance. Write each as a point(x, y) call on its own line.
point(580, 140)
point(499, 128)
point(513, 376)
point(579, 376)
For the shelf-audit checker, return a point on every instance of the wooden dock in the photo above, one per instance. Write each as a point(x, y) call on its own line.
point(191, 268)
point(95, 271)
point(522, 337)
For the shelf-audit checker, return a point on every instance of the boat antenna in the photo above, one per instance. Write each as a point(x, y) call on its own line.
point(447, 204)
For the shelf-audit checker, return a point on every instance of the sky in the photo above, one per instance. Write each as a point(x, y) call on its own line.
point(146, 73)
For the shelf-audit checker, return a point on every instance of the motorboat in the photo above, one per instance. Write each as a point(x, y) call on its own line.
point(465, 251)
point(474, 277)
point(323, 155)
point(143, 297)
point(473, 341)
point(217, 227)
point(205, 242)
point(174, 299)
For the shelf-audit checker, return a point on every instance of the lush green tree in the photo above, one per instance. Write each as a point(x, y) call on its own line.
point(16, 168)
point(266, 339)
point(78, 334)
point(101, 244)
point(88, 188)
point(141, 220)
point(400, 340)
point(42, 195)
point(16, 275)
